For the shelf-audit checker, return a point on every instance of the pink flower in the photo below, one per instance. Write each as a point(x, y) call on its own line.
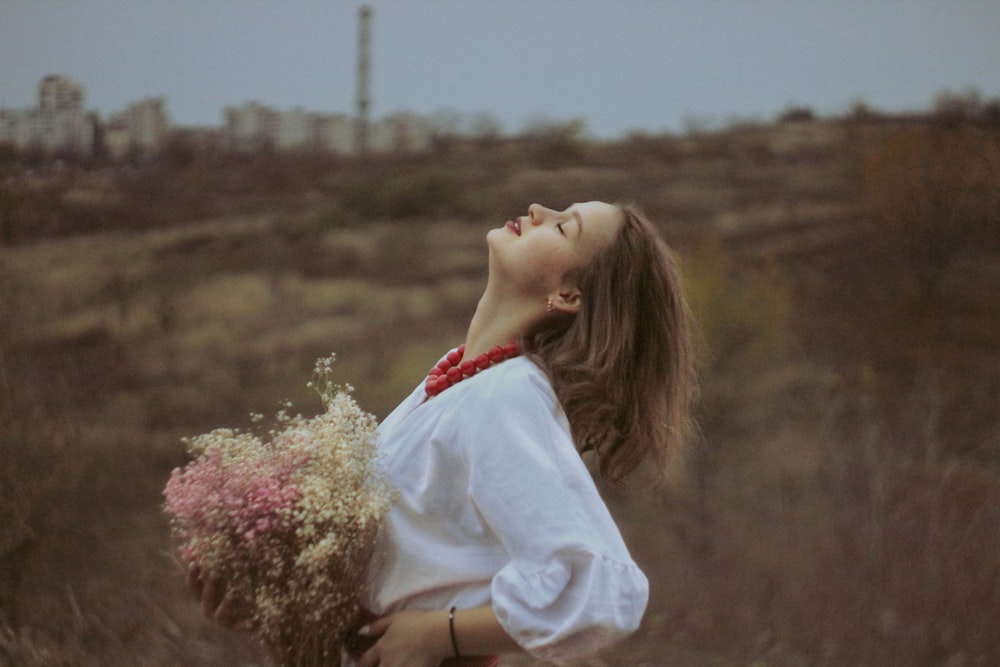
point(276, 518)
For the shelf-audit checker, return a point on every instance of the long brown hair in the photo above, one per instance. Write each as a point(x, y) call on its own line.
point(623, 366)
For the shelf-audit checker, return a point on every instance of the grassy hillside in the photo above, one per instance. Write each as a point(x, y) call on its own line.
point(840, 508)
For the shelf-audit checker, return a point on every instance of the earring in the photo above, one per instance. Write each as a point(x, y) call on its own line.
point(548, 305)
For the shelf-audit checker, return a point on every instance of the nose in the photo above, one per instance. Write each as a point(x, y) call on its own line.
point(537, 213)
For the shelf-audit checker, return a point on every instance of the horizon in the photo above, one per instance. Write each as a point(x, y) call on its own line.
point(633, 66)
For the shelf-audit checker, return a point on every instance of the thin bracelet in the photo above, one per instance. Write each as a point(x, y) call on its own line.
point(451, 629)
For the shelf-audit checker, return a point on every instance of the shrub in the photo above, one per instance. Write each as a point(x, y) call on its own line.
point(744, 312)
point(419, 193)
point(935, 189)
point(34, 467)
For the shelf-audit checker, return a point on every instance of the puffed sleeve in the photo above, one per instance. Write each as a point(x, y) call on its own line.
point(570, 586)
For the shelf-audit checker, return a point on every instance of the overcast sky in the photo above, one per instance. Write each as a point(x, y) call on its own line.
point(620, 65)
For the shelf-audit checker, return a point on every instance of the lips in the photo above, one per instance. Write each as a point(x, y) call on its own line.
point(514, 226)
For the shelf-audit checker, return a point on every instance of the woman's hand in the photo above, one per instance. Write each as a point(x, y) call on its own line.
point(216, 603)
point(408, 639)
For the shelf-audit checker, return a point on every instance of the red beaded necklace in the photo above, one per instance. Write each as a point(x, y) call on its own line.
point(452, 370)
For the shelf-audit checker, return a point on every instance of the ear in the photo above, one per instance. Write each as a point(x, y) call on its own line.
point(567, 301)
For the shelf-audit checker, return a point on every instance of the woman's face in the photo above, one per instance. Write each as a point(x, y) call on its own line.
point(535, 252)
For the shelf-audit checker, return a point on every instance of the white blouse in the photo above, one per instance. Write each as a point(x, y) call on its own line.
point(497, 508)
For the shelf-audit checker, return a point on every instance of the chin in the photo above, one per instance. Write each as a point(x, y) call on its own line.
point(494, 235)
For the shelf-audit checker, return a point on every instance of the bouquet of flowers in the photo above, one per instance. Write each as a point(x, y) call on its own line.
point(287, 520)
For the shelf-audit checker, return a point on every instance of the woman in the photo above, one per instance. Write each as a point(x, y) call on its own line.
point(499, 541)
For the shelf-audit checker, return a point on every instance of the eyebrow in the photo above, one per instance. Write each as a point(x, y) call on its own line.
point(579, 219)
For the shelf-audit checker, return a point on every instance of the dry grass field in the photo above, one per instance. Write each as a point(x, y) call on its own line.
point(842, 506)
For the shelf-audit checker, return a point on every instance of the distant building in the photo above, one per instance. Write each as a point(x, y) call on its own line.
point(250, 127)
point(58, 93)
point(15, 127)
point(58, 123)
point(253, 126)
point(141, 128)
point(336, 133)
point(402, 132)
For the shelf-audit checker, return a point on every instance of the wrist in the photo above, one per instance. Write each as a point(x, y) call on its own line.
point(437, 639)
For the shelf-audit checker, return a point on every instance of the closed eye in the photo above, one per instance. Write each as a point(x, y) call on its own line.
point(559, 227)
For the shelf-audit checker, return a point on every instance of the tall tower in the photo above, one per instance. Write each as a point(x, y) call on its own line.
point(364, 79)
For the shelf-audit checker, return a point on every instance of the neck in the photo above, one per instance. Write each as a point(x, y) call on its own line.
point(498, 321)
